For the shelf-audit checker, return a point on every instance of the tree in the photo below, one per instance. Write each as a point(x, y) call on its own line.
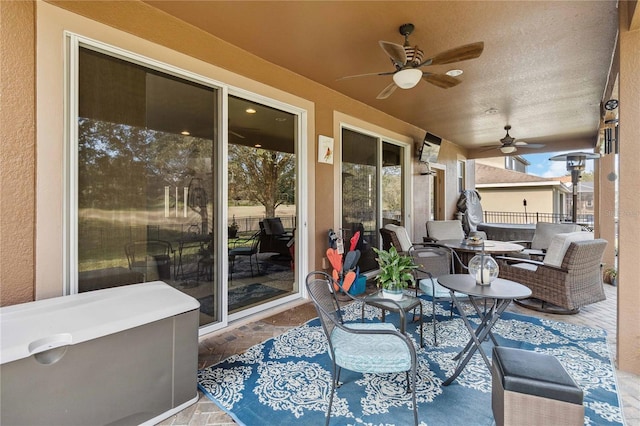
point(261, 176)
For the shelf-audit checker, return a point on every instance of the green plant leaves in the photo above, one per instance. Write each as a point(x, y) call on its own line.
point(395, 269)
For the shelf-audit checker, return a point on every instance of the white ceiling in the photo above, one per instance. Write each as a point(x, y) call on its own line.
point(544, 66)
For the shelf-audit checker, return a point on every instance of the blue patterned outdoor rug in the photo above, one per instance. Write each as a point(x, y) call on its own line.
point(287, 380)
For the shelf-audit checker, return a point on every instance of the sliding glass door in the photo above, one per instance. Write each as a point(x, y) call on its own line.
point(157, 193)
point(262, 204)
point(372, 191)
point(146, 185)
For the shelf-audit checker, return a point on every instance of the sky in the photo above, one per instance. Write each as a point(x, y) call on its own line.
point(541, 166)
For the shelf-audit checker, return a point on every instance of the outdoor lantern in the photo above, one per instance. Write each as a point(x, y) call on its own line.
point(483, 268)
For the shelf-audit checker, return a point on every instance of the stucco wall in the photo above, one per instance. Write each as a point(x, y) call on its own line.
point(171, 41)
point(17, 152)
point(510, 200)
point(629, 207)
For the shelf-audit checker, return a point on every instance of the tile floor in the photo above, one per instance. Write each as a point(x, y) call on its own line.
point(221, 345)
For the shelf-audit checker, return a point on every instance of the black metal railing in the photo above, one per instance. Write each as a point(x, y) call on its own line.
point(586, 220)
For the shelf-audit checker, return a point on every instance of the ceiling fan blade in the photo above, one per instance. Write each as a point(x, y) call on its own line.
point(395, 51)
point(367, 75)
point(462, 53)
point(521, 143)
point(441, 80)
point(531, 145)
point(387, 91)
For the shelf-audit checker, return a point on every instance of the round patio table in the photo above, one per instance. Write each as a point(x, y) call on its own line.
point(501, 291)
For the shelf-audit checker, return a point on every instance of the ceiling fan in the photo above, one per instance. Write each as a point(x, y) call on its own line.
point(408, 59)
point(510, 145)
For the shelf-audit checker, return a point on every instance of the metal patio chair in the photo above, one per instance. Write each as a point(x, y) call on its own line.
point(360, 347)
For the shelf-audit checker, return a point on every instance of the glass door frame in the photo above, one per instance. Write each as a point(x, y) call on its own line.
point(70, 213)
point(406, 178)
point(301, 197)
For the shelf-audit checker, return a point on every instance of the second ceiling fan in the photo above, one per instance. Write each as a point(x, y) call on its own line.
point(509, 144)
point(408, 60)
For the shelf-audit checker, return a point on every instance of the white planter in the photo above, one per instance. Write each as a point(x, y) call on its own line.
point(392, 294)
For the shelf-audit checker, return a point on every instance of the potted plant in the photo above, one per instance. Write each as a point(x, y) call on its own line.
point(395, 273)
point(610, 275)
point(232, 229)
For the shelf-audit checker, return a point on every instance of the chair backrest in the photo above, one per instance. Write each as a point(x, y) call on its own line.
point(559, 245)
point(389, 239)
point(546, 230)
point(435, 259)
point(273, 226)
point(153, 250)
point(401, 236)
point(320, 287)
point(445, 230)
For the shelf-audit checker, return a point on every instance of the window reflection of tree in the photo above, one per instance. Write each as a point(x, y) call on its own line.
point(260, 176)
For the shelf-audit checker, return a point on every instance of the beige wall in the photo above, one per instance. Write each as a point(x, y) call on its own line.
point(510, 199)
point(17, 152)
point(629, 208)
point(168, 40)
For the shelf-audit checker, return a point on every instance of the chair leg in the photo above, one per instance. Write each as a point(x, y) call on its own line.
point(433, 320)
point(334, 380)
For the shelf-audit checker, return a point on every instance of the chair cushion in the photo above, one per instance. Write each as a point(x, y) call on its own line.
point(528, 266)
point(559, 245)
point(402, 235)
point(445, 229)
point(534, 373)
point(370, 353)
point(440, 292)
point(240, 251)
point(546, 230)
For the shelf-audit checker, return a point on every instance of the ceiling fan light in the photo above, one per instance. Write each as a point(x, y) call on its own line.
point(407, 78)
point(508, 149)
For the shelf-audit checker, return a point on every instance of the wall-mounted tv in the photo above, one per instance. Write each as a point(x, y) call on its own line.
point(430, 148)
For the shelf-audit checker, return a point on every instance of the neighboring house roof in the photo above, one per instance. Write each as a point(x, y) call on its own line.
point(494, 177)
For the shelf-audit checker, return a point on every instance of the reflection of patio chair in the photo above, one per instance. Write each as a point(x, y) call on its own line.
point(569, 277)
point(273, 237)
point(152, 258)
point(245, 247)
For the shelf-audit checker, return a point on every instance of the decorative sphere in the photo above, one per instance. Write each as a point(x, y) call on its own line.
point(483, 268)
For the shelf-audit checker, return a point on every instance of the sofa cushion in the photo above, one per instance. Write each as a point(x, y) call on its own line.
point(559, 245)
point(546, 230)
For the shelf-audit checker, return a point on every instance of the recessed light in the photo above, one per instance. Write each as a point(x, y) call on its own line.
point(250, 111)
point(454, 73)
point(185, 132)
point(491, 111)
point(258, 145)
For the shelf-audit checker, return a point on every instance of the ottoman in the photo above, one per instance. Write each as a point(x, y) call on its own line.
point(529, 388)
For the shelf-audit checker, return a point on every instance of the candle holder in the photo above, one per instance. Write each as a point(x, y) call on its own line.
point(483, 268)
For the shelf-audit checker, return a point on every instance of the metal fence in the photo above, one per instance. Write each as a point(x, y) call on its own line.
point(586, 220)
